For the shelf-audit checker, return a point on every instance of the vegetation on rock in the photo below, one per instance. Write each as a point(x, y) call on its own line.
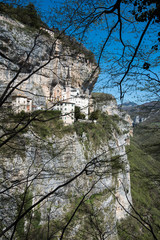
point(29, 16)
point(145, 195)
point(102, 97)
point(94, 115)
point(78, 114)
point(26, 14)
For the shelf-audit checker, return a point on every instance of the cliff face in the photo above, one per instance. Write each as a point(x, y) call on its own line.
point(75, 177)
point(92, 154)
point(49, 60)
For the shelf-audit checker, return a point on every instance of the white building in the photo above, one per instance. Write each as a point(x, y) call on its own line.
point(65, 98)
point(83, 103)
point(74, 92)
point(67, 111)
point(21, 103)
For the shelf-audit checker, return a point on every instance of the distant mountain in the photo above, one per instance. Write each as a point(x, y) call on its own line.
point(128, 104)
point(143, 112)
point(146, 118)
point(144, 159)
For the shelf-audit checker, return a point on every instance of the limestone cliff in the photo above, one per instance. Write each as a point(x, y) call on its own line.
point(74, 180)
point(44, 161)
point(40, 59)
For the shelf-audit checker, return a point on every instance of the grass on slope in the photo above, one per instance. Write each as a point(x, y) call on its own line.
point(145, 187)
point(147, 135)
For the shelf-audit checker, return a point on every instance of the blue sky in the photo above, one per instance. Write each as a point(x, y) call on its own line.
point(45, 4)
point(94, 41)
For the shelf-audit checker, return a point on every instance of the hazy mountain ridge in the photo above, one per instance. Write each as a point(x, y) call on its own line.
point(146, 120)
point(144, 159)
point(143, 112)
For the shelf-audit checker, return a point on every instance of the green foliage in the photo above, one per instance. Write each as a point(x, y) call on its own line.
point(20, 229)
point(87, 215)
point(47, 123)
point(116, 164)
point(31, 222)
point(99, 132)
point(36, 219)
point(145, 194)
point(91, 220)
point(24, 201)
point(78, 114)
point(102, 97)
point(94, 115)
point(22, 116)
point(93, 224)
point(44, 123)
point(93, 217)
point(29, 16)
point(109, 123)
point(147, 135)
point(26, 14)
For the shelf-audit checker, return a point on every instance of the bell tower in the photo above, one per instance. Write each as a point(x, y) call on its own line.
point(68, 78)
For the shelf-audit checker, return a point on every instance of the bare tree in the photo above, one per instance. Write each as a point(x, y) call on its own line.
point(122, 42)
point(126, 35)
point(47, 158)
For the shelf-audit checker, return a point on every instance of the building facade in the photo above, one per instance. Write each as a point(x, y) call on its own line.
point(65, 98)
point(67, 111)
point(21, 103)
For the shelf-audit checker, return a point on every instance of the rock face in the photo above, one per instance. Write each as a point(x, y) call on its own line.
point(40, 60)
point(43, 165)
point(105, 103)
point(80, 175)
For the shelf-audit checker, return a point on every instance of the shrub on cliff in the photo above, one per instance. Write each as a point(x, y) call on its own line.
point(28, 15)
point(94, 115)
point(101, 97)
point(78, 114)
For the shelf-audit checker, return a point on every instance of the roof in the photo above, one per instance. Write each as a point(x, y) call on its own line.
point(66, 102)
point(22, 96)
